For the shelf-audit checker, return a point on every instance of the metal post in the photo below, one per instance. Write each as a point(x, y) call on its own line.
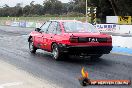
point(86, 12)
point(22, 7)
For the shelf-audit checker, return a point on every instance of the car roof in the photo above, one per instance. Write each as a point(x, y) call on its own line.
point(65, 20)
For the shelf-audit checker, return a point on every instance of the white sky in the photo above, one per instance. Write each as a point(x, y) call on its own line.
point(25, 2)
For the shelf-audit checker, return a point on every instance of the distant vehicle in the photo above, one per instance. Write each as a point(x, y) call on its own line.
point(70, 37)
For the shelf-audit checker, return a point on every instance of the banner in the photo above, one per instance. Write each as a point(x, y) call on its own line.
point(112, 19)
point(39, 24)
point(124, 19)
point(15, 24)
point(22, 24)
point(8, 23)
point(106, 27)
point(31, 24)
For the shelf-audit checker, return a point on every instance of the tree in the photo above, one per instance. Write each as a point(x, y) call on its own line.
point(52, 6)
point(104, 8)
point(78, 6)
point(26, 10)
point(5, 6)
point(37, 9)
point(32, 3)
point(122, 7)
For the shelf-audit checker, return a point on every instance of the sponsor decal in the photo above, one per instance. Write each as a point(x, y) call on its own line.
point(85, 80)
point(124, 19)
point(106, 27)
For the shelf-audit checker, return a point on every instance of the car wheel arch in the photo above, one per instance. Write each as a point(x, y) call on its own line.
point(33, 49)
point(29, 38)
point(52, 44)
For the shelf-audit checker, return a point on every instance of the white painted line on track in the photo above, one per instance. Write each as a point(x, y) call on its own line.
point(10, 84)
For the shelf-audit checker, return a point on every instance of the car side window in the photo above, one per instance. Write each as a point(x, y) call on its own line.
point(58, 29)
point(52, 27)
point(45, 27)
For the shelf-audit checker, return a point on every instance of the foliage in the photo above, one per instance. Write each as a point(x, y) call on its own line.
point(75, 14)
point(72, 8)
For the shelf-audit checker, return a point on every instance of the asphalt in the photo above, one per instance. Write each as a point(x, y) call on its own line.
point(64, 74)
point(11, 77)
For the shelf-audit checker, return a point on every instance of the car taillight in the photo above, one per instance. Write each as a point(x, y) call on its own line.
point(109, 40)
point(73, 39)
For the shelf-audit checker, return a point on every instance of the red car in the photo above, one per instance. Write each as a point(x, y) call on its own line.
point(69, 37)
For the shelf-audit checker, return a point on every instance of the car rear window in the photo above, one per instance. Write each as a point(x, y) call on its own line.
point(79, 27)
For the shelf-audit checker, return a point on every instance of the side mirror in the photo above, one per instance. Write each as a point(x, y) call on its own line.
point(37, 29)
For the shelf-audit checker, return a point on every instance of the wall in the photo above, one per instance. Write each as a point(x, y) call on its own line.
point(114, 28)
point(122, 41)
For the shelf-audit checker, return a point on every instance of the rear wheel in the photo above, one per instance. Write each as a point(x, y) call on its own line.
point(57, 55)
point(32, 48)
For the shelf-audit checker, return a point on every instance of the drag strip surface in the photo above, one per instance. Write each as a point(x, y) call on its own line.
point(14, 50)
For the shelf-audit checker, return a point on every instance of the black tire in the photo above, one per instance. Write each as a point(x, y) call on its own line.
point(32, 48)
point(57, 55)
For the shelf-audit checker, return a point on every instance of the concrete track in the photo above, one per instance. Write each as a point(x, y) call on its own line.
point(64, 74)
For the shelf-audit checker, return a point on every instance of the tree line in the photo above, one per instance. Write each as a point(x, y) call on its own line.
point(56, 7)
point(49, 7)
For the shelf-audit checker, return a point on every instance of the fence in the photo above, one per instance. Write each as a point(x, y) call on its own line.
point(113, 28)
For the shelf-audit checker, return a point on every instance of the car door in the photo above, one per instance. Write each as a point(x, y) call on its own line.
point(51, 32)
point(41, 37)
point(58, 33)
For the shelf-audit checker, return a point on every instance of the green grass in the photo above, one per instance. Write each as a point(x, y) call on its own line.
point(40, 18)
point(3, 20)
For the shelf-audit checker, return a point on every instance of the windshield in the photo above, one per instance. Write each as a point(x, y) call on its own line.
point(78, 27)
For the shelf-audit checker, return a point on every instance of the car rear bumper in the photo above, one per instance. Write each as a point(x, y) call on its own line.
point(86, 50)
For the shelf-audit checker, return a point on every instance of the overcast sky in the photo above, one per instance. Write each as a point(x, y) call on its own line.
point(25, 2)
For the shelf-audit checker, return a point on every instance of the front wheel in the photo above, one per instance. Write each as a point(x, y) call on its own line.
point(32, 48)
